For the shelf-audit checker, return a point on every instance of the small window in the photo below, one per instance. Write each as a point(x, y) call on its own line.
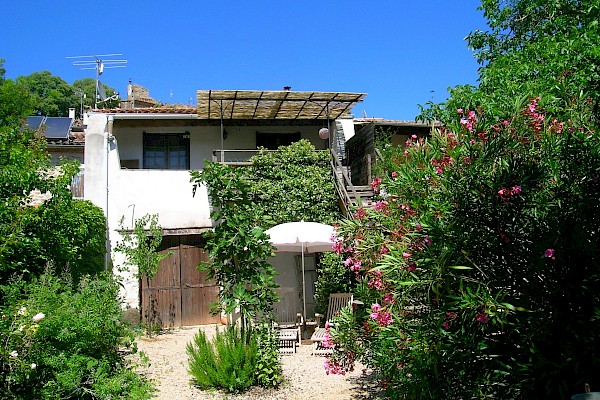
point(166, 150)
point(272, 141)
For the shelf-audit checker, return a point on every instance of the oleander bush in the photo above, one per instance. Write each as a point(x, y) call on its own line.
point(479, 263)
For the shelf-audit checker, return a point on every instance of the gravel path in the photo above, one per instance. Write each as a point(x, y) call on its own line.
point(304, 376)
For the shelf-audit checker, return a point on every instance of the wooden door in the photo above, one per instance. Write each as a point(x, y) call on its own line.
point(197, 292)
point(179, 294)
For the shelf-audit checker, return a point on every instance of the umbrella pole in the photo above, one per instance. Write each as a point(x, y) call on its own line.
point(303, 292)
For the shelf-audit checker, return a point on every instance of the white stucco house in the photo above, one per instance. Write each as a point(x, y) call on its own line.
point(137, 162)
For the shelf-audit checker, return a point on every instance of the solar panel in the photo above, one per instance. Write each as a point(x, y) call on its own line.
point(34, 122)
point(57, 127)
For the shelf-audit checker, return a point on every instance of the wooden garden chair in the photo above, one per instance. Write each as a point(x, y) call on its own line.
point(287, 320)
point(337, 301)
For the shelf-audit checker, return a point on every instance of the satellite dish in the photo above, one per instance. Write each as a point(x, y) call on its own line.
point(101, 92)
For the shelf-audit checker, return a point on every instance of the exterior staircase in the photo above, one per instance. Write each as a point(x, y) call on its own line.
point(349, 195)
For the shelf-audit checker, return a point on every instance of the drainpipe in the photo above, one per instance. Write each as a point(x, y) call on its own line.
point(109, 139)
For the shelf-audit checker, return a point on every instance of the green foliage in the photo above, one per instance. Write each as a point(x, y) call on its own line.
point(63, 342)
point(333, 277)
point(139, 246)
point(238, 246)
point(479, 262)
point(52, 95)
point(268, 368)
point(40, 222)
point(228, 362)
point(533, 48)
point(140, 249)
point(293, 183)
point(16, 103)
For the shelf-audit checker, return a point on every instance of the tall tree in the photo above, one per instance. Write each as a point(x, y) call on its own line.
point(533, 48)
point(53, 96)
point(86, 87)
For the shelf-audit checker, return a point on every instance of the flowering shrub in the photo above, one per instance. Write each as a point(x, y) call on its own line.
point(479, 271)
point(63, 342)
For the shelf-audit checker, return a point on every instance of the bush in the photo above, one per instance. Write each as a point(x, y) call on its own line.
point(480, 260)
point(333, 277)
point(228, 362)
point(67, 343)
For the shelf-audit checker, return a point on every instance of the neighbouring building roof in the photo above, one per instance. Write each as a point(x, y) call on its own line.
point(280, 104)
point(395, 122)
point(167, 109)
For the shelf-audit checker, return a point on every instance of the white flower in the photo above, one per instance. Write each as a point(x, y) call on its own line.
point(33, 365)
point(14, 354)
point(36, 198)
point(53, 172)
point(38, 317)
point(22, 311)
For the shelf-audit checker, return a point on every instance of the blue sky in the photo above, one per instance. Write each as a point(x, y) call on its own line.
point(401, 53)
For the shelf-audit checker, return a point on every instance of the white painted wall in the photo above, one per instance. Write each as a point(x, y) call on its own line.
point(132, 193)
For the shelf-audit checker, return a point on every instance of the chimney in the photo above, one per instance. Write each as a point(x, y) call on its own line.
point(287, 88)
point(72, 113)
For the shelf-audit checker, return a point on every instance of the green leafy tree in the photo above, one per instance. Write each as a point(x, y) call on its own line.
point(532, 48)
point(40, 222)
point(86, 87)
point(52, 95)
point(237, 246)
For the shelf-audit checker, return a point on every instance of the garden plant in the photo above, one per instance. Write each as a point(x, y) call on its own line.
point(61, 329)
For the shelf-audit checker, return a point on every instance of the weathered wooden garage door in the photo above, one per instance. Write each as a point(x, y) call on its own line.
point(179, 294)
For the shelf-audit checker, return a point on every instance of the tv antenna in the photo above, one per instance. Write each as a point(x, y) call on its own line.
point(98, 63)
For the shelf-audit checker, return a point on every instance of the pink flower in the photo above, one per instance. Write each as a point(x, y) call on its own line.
point(356, 266)
point(360, 213)
point(375, 307)
point(516, 189)
point(394, 174)
point(549, 253)
point(388, 298)
point(418, 227)
point(376, 182)
point(381, 206)
point(438, 170)
point(375, 283)
point(460, 111)
point(348, 262)
point(482, 317)
point(412, 267)
point(333, 367)
point(384, 250)
point(326, 341)
point(406, 255)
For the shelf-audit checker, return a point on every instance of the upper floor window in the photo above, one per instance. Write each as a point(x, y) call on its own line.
point(272, 140)
point(166, 150)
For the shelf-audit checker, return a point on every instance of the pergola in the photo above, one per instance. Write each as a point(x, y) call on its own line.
point(274, 105)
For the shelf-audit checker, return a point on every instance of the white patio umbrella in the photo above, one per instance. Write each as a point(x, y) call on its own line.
point(303, 237)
